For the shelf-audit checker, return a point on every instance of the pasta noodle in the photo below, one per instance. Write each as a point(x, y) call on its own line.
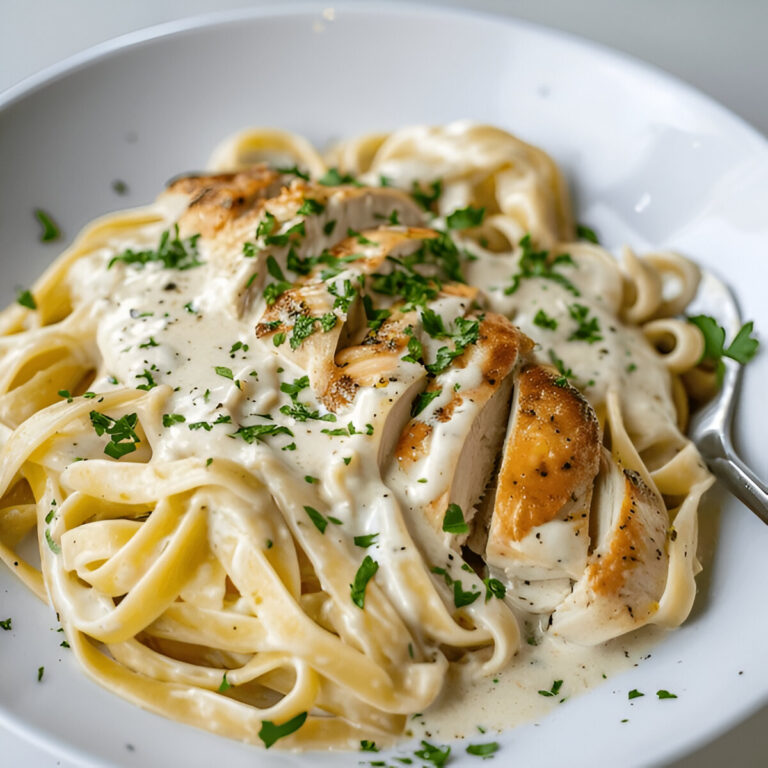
point(251, 426)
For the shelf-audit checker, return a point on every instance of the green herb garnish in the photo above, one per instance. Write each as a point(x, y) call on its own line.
point(465, 218)
point(270, 733)
point(364, 574)
point(121, 431)
point(483, 750)
point(742, 349)
point(423, 400)
point(50, 230)
point(583, 232)
point(454, 522)
point(554, 690)
point(26, 299)
point(539, 264)
point(588, 328)
point(171, 252)
point(543, 320)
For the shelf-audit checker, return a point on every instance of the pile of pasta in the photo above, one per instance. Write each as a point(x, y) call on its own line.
point(192, 580)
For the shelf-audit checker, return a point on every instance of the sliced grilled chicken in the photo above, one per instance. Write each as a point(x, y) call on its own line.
point(626, 573)
point(377, 368)
point(323, 312)
point(446, 452)
point(539, 525)
point(217, 200)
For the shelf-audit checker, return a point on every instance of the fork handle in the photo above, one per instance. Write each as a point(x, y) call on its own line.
point(742, 482)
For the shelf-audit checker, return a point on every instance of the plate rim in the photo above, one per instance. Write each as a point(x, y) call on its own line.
point(113, 46)
point(272, 9)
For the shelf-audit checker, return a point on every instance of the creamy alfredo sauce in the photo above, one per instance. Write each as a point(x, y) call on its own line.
point(177, 329)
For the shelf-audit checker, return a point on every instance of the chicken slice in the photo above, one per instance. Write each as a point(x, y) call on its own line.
point(309, 322)
point(626, 573)
point(538, 535)
point(213, 201)
point(447, 451)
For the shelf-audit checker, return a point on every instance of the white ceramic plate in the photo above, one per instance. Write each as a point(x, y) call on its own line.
point(650, 162)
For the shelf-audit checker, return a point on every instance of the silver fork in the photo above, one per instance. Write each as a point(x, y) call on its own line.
point(710, 427)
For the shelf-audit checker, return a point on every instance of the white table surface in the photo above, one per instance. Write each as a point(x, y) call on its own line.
point(717, 46)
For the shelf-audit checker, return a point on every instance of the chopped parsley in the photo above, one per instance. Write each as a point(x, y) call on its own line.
point(344, 296)
point(742, 349)
point(415, 350)
point(365, 573)
point(171, 252)
point(465, 218)
point(151, 383)
point(462, 597)
point(368, 746)
point(467, 332)
point(260, 431)
point(301, 411)
point(320, 522)
point(270, 733)
point(310, 207)
point(273, 291)
point(554, 690)
point(169, 419)
point(119, 187)
point(426, 199)
point(583, 232)
point(6, 624)
point(150, 342)
point(121, 431)
point(50, 231)
point(423, 400)
point(40, 673)
point(454, 522)
point(54, 547)
point(543, 320)
point(366, 541)
point(294, 171)
point(332, 178)
point(588, 328)
point(494, 588)
point(375, 317)
point(26, 299)
point(634, 694)
point(225, 684)
point(483, 750)
point(328, 227)
point(438, 756)
point(662, 694)
point(539, 264)
point(361, 239)
point(565, 373)
point(225, 372)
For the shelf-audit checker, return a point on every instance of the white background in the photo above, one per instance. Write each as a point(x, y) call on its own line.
point(718, 46)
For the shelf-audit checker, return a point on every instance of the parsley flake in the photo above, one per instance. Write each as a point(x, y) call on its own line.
point(539, 264)
point(543, 320)
point(171, 252)
point(270, 733)
point(26, 299)
point(365, 573)
point(483, 750)
point(121, 431)
point(454, 522)
point(50, 230)
point(465, 218)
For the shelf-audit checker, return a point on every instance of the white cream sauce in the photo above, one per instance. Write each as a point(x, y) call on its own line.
point(511, 698)
point(173, 328)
